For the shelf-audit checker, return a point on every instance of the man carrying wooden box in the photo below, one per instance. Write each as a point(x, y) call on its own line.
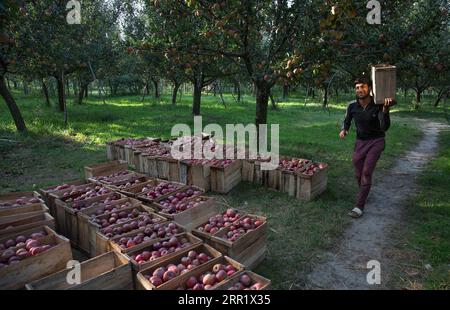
point(371, 121)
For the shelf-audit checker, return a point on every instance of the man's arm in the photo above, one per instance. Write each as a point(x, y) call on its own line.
point(347, 122)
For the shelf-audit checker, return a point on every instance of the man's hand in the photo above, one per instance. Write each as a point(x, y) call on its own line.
point(388, 102)
point(343, 133)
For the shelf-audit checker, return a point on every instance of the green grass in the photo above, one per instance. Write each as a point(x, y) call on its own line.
point(299, 232)
point(427, 234)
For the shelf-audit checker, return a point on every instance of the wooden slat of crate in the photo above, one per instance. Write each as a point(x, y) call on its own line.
point(274, 179)
point(256, 278)
point(129, 155)
point(45, 219)
point(224, 179)
point(254, 254)
point(137, 160)
point(384, 82)
point(181, 280)
point(26, 209)
point(111, 152)
point(93, 228)
point(15, 276)
point(143, 284)
point(138, 267)
point(110, 271)
point(152, 166)
point(84, 217)
point(309, 187)
point(200, 176)
point(174, 171)
point(105, 168)
point(193, 217)
point(102, 244)
point(234, 249)
point(69, 217)
point(15, 195)
point(26, 233)
point(162, 166)
point(115, 186)
point(248, 170)
point(185, 171)
point(288, 183)
point(260, 176)
point(50, 199)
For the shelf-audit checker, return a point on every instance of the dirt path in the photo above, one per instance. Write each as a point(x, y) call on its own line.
point(368, 238)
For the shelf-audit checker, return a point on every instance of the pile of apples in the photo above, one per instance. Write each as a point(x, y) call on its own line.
point(107, 203)
point(143, 220)
point(108, 179)
point(293, 164)
point(314, 168)
point(129, 183)
point(156, 231)
point(183, 206)
point(118, 217)
point(15, 250)
point(245, 283)
point(241, 227)
point(22, 201)
point(186, 263)
point(163, 188)
point(130, 141)
point(220, 221)
point(161, 249)
point(174, 203)
point(85, 193)
point(208, 280)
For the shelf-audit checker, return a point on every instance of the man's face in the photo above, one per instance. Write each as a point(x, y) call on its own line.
point(362, 91)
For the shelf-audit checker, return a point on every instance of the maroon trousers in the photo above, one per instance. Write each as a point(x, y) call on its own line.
point(365, 157)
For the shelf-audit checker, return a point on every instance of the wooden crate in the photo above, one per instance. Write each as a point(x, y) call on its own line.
point(253, 254)
point(193, 217)
point(129, 155)
point(26, 209)
point(309, 187)
point(152, 166)
point(224, 179)
point(248, 170)
point(168, 168)
point(288, 183)
point(49, 199)
point(15, 276)
point(5, 197)
point(110, 271)
point(273, 179)
point(25, 233)
point(112, 178)
point(256, 278)
point(111, 152)
point(260, 176)
point(384, 82)
point(143, 284)
point(148, 245)
point(114, 241)
point(198, 175)
point(118, 185)
point(235, 249)
point(10, 228)
point(85, 215)
point(68, 219)
point(102, 244)
point(181, 280)
point(93, 227)
point(105, 168)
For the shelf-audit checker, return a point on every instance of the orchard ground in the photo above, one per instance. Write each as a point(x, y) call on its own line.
point(299, 233)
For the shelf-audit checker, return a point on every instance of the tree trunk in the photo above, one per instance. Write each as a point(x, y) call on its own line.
point(45, 90)
point(197, 97)
point(86, 91)
point(15, 84)
point(405, 93)
point(25, 87)
point(67, 87)
point(61, 94)
point(155, 85)
point(274, 104)
point(176, 86)
point(442, 92)
point(81, 93)
point(262, 100)
point(9, 86)
point(325, 96)
point(285, 91)
point(418, 95)
point(237, 90)
point(13, 108)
